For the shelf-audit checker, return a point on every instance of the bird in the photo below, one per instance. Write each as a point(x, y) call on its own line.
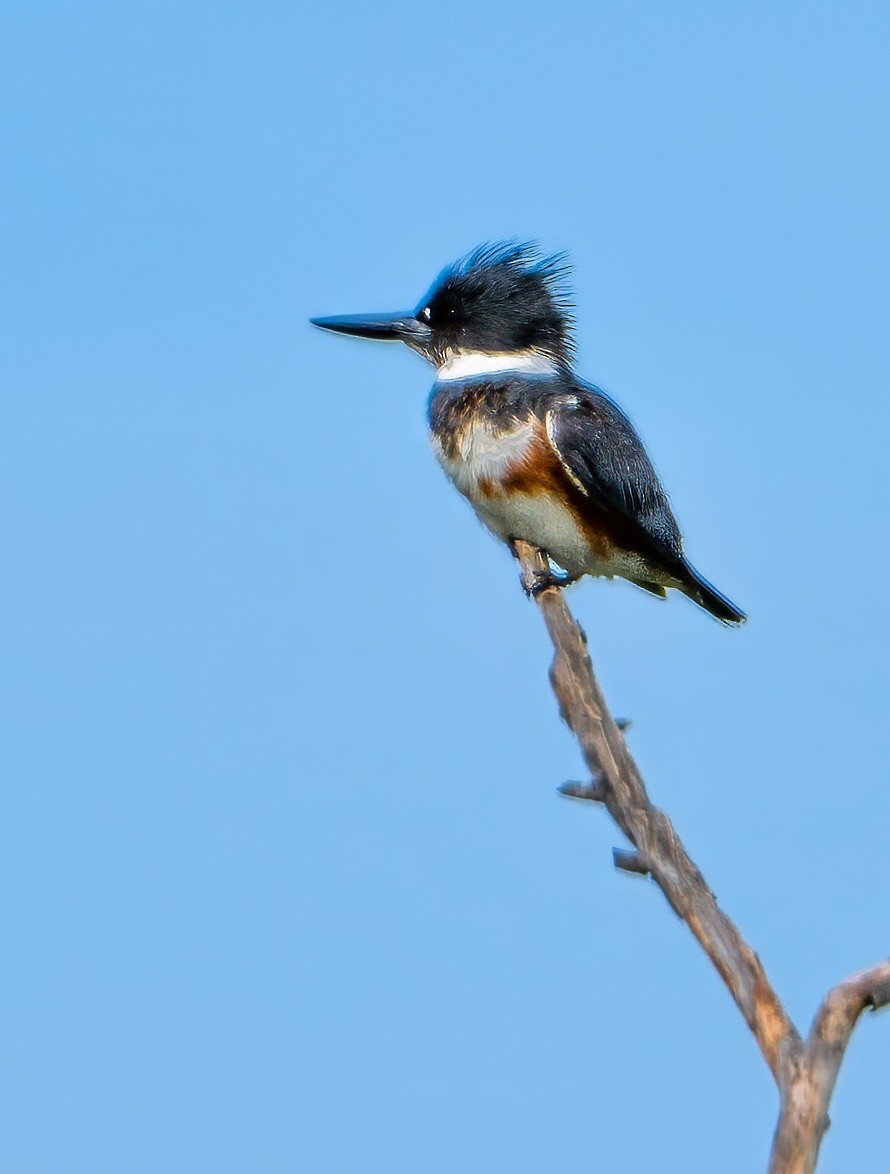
point(541, 455)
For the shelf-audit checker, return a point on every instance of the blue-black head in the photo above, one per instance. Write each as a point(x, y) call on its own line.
point(502, 298)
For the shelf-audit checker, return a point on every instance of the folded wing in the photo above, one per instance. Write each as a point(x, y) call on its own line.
point(606, 461)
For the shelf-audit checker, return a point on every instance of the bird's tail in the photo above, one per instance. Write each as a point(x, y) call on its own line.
point(701, 592)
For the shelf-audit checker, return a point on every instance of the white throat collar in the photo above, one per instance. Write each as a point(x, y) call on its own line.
point(471, 364)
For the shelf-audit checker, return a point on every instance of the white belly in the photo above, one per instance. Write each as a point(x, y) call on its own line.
point(544, 522)
point(548, 524)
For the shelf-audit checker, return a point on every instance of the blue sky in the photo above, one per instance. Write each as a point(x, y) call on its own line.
point(287, 883)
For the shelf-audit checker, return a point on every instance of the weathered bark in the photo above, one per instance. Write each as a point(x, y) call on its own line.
point(805, 1072)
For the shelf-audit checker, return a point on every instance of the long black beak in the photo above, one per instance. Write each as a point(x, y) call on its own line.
point(390, 327)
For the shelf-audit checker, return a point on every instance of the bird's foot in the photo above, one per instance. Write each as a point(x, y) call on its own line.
point(534, 581)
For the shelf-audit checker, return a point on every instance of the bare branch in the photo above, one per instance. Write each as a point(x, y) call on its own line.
point(805, 1072)
point(649, 830)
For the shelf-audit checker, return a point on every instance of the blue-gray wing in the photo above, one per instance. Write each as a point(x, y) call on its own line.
point(606, 461)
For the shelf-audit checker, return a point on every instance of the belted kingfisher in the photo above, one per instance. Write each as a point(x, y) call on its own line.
point(539, 454)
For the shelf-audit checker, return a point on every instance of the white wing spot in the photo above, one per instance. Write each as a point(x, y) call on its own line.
point(569, 472)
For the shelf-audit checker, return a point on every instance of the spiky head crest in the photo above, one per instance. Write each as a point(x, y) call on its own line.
point(501, 298)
